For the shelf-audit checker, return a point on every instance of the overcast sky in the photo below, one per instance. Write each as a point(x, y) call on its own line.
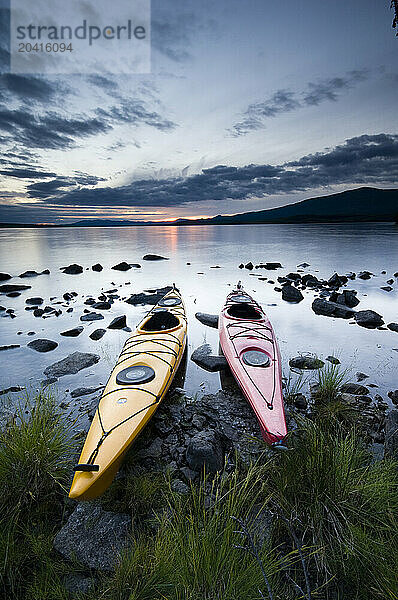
point(250, 104)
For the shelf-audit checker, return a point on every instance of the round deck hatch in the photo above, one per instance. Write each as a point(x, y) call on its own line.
point(134, 375)
point(256, 358)
point(170, 301)
point(240, 298)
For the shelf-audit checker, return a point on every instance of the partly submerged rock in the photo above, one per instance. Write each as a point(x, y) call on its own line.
point(91, 316)
point(97, 334)
point(369, 319)
point(8, 288)
point(207, 319)
point(331, 309)
point(122, 266)
point(354, 388)
point(203, 357)
point(42, 345)
point(291, 294)
point(154, 257)
point(97, 267)
point(306, 362)
point(118, 323)
point(150, 298)
point(94, 537)
point(71, 364)
point(72, 332)
point(73, 269)
point(393, 327)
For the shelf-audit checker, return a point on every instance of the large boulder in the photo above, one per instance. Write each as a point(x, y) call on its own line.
point(94, 537)
point(72, 364)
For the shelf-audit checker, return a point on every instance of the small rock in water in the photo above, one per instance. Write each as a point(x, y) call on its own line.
point(97, 334)
point(94, 537)
point(203, 358)
point(354, 388)
point(72, 269)
point(122, 266)
point(291, 294)
point(386, 288)
point(154, 257)
point(365, 275)
point(306, 363)
point(361, 376)
point(249, 266)
point(118, 323)
point(36, 301)
point(12, 389)
point(42, 345)
point(72, 364)
point(368, 318)
point(207, 319)
point(393, 395)
point(72, 332)
point(5, 277)
point(8, 288)
point(83, 391)
point(9, 347)
point(91, 316)
point(102, 305)
point(333, 360)
point(34, 273)
point(303, 265)
point(97, 267)
point(393, 327)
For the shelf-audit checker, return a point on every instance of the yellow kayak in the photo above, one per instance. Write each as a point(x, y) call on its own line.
point(142, 375)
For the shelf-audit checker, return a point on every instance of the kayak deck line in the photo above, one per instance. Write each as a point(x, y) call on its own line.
point(161, 334)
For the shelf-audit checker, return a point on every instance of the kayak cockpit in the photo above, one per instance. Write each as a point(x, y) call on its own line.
point(244, 310)
point(160, 321)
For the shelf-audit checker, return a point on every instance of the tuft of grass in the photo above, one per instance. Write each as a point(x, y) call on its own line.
point(344, 506)
point(35, 456)
point(329, 379)
point(35, 466)
point(193, 555)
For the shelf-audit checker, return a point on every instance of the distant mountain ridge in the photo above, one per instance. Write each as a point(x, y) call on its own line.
point(364, 204)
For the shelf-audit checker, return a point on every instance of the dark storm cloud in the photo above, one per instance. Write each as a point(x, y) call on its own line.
point(368, 159)
point(32, 88)
point(284, 101)
point(47, 131)
point(27, 173)
point(46, 189)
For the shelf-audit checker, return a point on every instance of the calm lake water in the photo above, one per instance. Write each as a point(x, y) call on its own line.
point(327, 248)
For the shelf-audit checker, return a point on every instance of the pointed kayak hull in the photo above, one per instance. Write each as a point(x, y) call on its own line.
point(142, 375)
point(249, 344)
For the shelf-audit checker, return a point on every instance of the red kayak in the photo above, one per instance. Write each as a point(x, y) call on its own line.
point(250, 347)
